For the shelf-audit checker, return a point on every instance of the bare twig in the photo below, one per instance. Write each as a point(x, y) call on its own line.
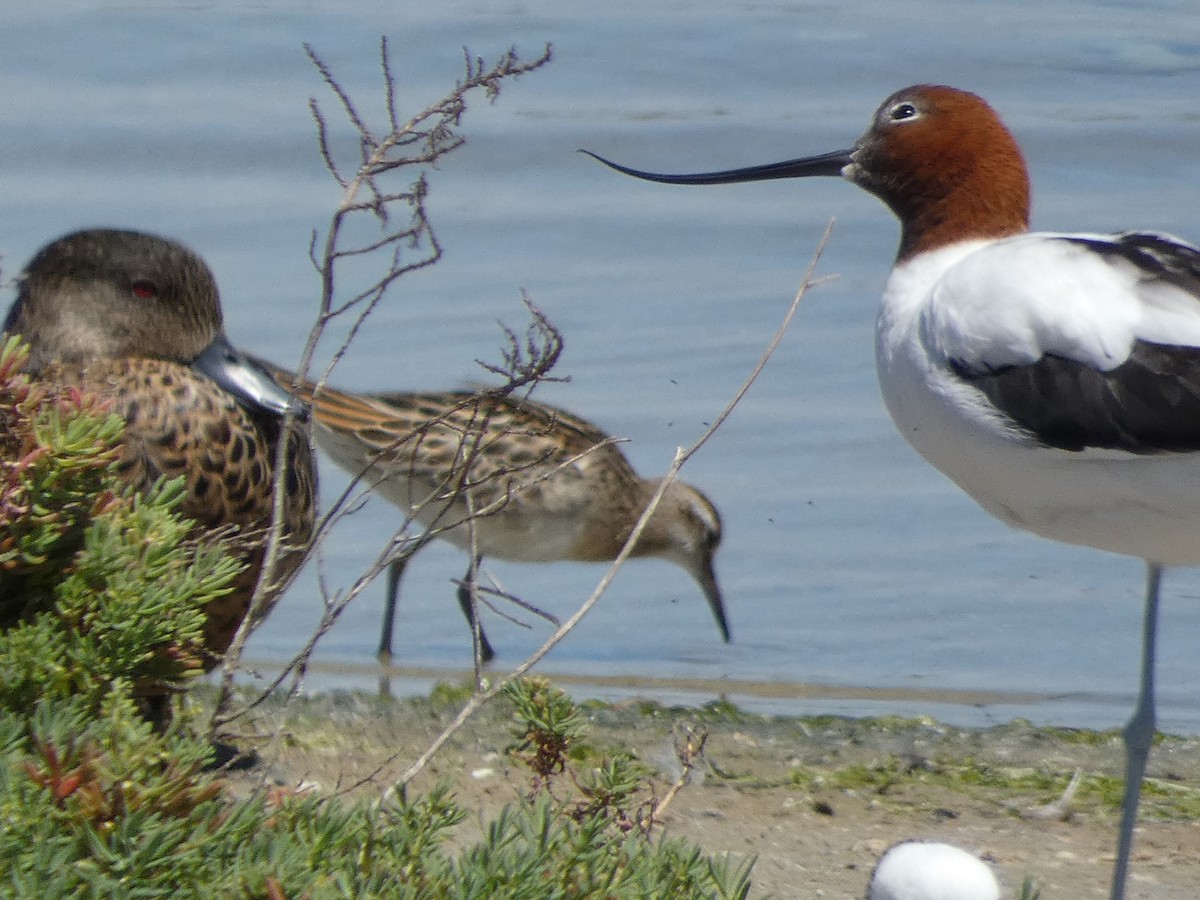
point(1060, 809)
point(681, 456)
point(402, 545)
point(367, 224)
point(418, 141)
point(485, 592)
point(689, 744)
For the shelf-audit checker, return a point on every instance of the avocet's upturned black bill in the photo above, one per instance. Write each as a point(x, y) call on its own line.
point(829, 164)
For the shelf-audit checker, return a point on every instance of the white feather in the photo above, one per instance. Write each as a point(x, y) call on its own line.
point(915, 870)
point(1012, 301)
point(985, 303)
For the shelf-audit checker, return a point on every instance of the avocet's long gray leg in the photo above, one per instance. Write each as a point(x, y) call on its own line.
point(1139, 734)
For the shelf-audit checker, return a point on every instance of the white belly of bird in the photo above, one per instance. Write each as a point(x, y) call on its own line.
point(515, 532)
point(521, 529)
point(1147, 506)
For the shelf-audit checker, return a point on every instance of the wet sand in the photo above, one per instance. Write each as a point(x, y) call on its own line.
point(817, 799)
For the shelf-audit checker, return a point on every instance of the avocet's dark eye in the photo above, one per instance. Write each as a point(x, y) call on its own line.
point(144, 290)
point(902, 111)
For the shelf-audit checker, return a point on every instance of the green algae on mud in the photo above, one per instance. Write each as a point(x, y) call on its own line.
point(815, 799)
point(1016, 761)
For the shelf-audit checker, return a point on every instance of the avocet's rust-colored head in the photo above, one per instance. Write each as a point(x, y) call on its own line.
point(940, 158)
point(946, 165)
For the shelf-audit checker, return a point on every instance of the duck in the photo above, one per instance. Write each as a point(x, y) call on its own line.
point(134, 320)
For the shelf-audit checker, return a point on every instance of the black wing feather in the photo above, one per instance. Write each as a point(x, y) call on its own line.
point(1149, 404)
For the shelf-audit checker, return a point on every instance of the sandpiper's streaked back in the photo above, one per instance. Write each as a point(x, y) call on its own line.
point(550, 485)
point(1054, 377)
point(135, 320)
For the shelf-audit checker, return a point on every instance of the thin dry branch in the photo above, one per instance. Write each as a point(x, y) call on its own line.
point(418, 141)
point(527, 361)
point(480, 697)
point(536, 354)
point(689, 744)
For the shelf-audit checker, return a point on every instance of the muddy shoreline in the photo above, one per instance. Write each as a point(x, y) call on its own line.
point(816, 798)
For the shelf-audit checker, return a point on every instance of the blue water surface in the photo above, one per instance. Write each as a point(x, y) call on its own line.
point(847, 561)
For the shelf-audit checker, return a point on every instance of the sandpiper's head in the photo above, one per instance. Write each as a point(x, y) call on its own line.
point(686, 529)
point(939, 157)
point(105, 293)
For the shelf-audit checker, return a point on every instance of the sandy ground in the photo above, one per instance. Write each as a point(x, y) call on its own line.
point(816, 800)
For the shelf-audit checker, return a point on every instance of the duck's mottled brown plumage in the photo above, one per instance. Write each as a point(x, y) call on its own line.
point(121, 315)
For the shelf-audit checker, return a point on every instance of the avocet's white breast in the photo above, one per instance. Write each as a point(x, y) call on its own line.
point(981, 306)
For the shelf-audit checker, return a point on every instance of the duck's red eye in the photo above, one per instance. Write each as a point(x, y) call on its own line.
point(144, 290)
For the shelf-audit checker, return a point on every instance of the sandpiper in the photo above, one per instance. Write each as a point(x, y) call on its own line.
point(512, 479)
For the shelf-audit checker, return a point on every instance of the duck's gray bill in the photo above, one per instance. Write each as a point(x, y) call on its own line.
point(246, 378)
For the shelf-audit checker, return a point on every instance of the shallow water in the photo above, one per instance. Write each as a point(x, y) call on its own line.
point(847, 561)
